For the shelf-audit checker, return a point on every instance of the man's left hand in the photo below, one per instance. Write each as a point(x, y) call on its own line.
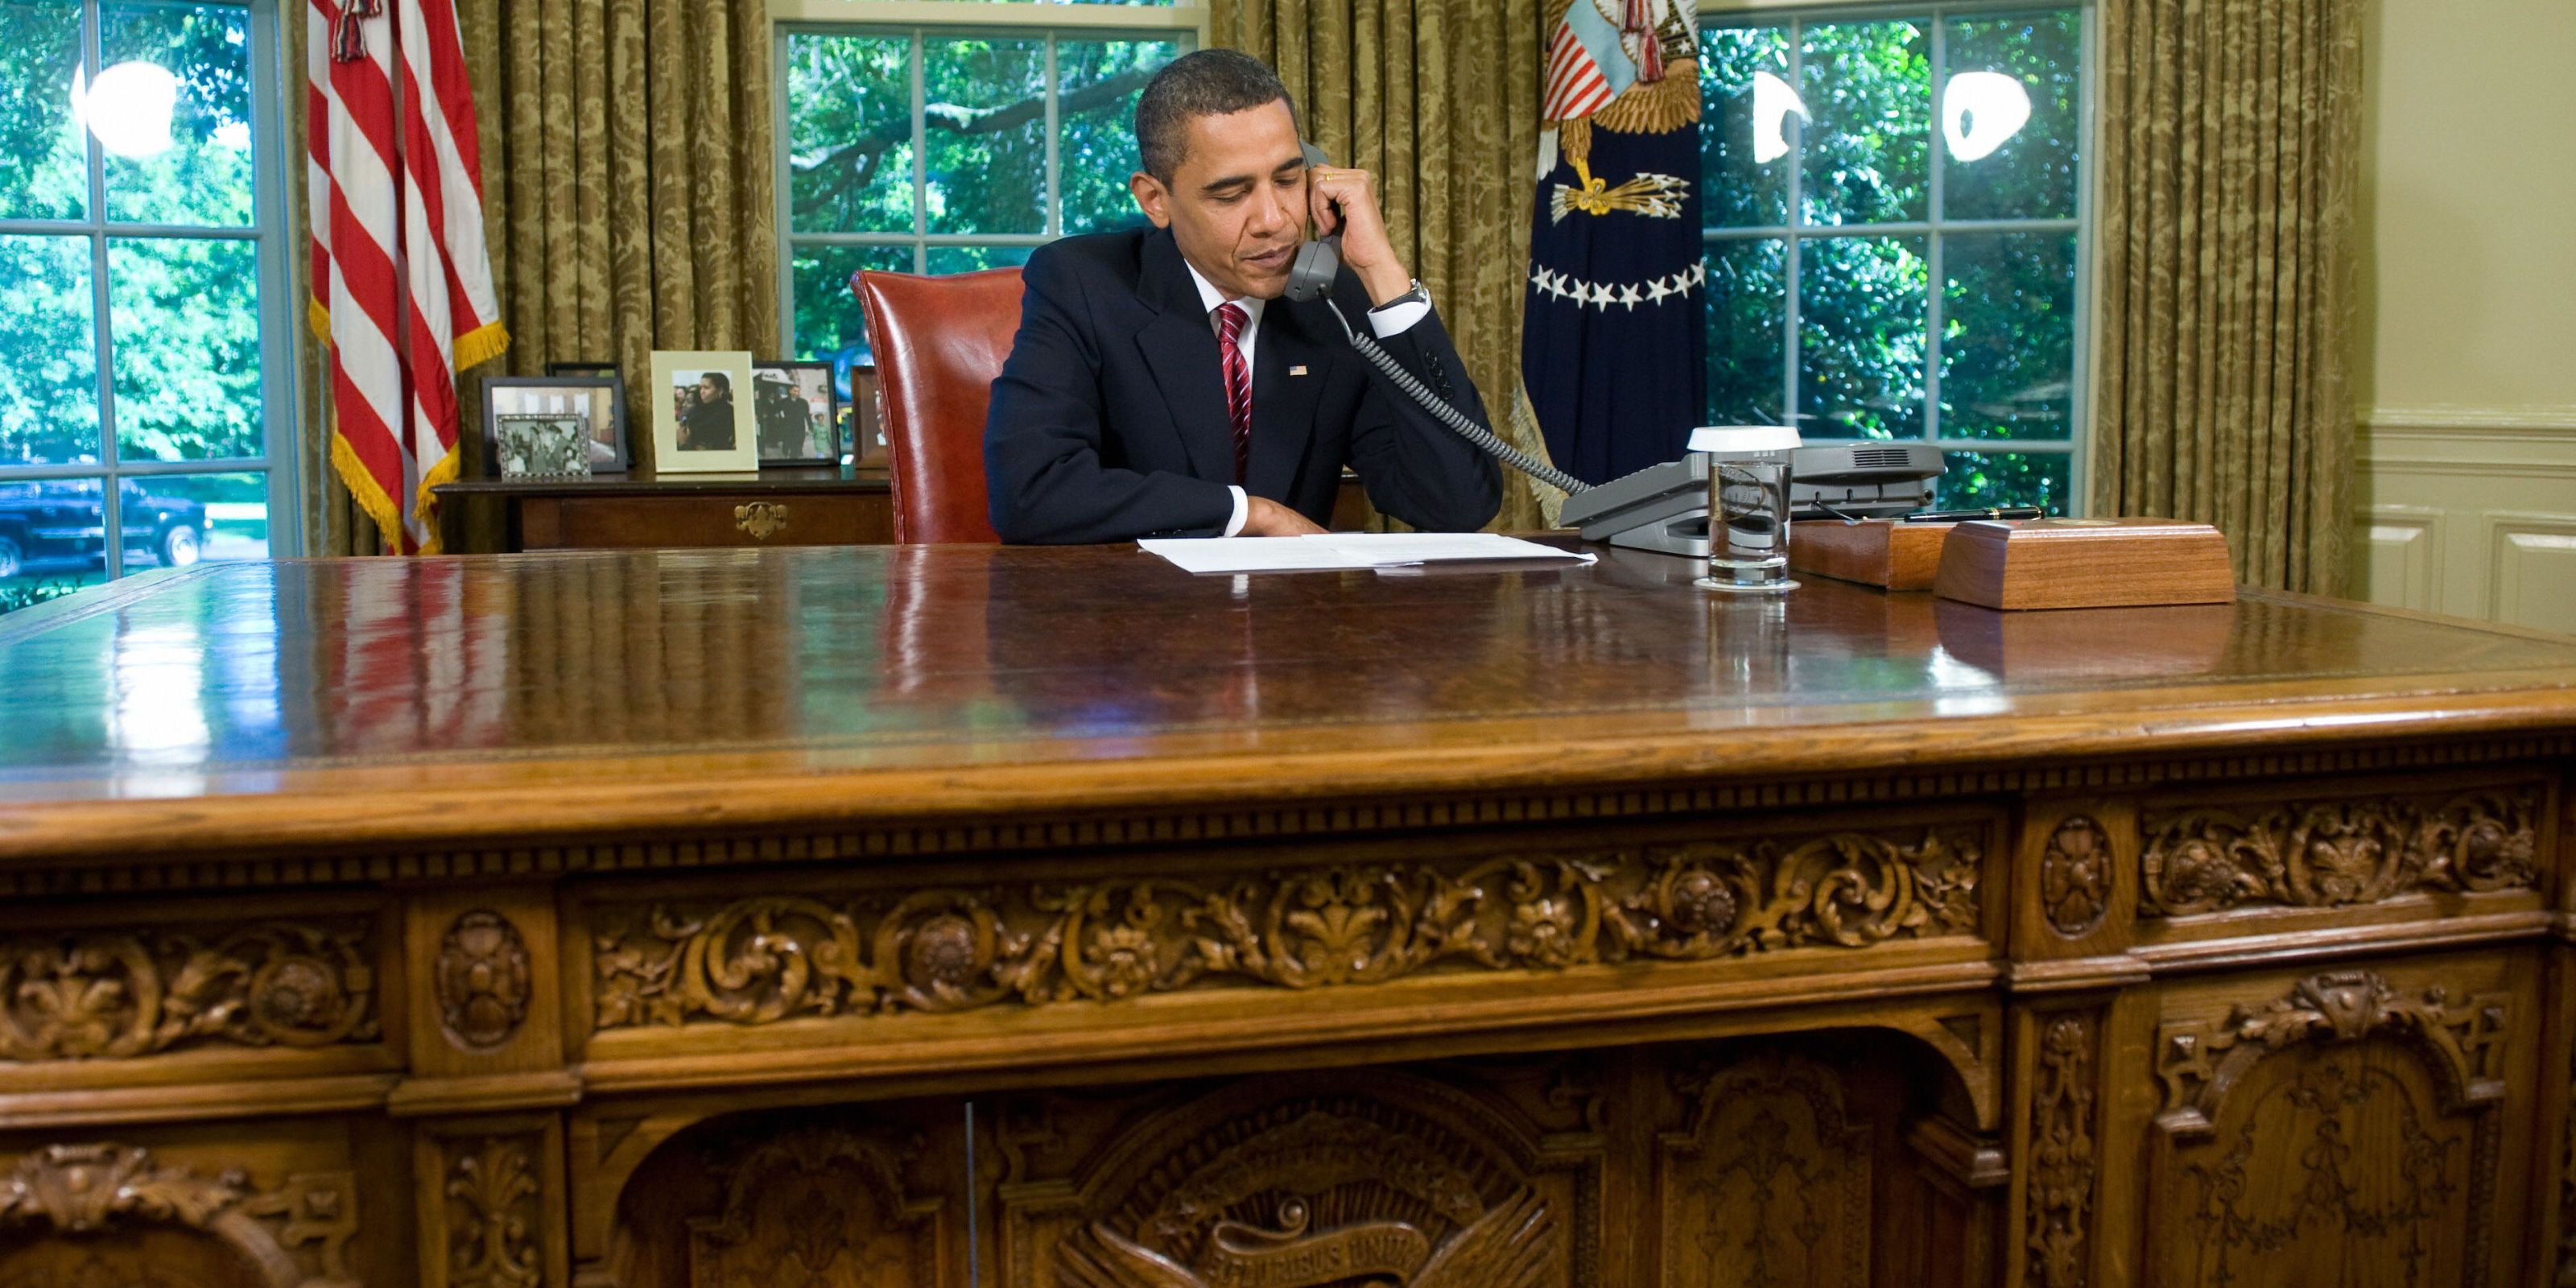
point(1345, 201)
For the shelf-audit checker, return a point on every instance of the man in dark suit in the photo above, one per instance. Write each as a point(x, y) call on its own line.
point(1160, 384)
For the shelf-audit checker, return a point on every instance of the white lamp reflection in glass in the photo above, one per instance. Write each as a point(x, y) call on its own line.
point(128, 108)
point(1982, 111)
point(1773, 101)
point(1748, 507)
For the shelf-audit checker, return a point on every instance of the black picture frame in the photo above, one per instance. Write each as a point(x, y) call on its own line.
point(522, 395)
point(607, 370)
point(866, 445)
point(821, 441)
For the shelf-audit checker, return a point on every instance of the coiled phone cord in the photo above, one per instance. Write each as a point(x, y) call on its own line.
point(1467, 428)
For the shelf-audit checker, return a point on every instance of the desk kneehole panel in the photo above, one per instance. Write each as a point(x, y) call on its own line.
point(706, 519)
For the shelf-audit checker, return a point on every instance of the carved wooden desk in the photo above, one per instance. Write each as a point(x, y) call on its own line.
point(913, 916)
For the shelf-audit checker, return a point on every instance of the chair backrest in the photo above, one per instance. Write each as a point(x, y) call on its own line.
point(939, 343)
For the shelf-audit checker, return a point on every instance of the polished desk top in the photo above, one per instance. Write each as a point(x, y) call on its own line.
point(333, 701)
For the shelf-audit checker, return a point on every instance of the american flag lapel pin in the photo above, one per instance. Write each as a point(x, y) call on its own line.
point(1297, 370)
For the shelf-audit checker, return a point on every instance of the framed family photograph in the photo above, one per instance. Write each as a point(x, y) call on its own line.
point(540, 445)
point(702, 417)
point(798, 414)
point(598, 403)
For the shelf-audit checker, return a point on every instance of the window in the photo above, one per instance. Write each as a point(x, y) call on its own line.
point(1894, 230)
point(955, 144)
point(142, 389)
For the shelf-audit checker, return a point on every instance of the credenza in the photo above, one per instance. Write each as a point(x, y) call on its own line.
point(640, 509)
point(861, 916)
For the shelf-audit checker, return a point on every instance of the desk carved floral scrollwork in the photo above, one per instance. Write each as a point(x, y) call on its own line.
point(761, 959)
point(112, 995)
point(2338, 853)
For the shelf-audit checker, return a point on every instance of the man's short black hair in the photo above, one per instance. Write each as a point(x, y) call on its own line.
point(1210, 82)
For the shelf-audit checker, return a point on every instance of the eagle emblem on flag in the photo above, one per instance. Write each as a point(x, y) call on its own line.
point(1612, 342)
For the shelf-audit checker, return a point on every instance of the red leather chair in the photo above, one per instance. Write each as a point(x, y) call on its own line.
point(939, 343)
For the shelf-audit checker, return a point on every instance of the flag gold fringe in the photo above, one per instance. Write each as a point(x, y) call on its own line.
point(363, 489)
point(318, 320)
point(1656, 107)
point(480, 345)
point(425, 506)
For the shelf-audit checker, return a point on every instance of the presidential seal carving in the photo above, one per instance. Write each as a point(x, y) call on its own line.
point(1316, 1191)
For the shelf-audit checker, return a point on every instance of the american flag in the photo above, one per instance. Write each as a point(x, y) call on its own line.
point(402, 283)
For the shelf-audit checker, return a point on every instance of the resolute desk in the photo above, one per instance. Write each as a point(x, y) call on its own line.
point(927, 916)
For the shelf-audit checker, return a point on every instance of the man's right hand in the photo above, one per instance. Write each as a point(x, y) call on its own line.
point(1263, 517)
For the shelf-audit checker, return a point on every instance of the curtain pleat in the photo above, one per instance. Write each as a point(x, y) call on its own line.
point(2229, 161)
point(627, 166)
point(1438, 99)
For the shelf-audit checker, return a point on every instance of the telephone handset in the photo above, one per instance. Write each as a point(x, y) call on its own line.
point(1310, 277)
point(1318, 262)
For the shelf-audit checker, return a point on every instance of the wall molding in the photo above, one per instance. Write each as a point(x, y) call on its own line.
point(2467, 510)
point(2518, 422)
point(2407, 540)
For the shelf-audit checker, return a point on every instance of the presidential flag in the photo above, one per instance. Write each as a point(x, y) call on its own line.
point(1614, 326)
point(402, 283)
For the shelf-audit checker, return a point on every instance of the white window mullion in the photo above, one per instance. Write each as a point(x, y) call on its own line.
point(1789, 264)
point(1054, 224)
point(1934, 267)
point(102, 326)
point(920, 152)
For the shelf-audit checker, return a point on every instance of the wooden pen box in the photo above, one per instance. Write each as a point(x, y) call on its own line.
point(1873, 552)
point(2085, 563)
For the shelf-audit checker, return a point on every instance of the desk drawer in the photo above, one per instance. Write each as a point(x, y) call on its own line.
point(706, 519)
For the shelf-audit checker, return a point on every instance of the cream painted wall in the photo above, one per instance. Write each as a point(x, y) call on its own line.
point(2467, 344)
point(2469, 182)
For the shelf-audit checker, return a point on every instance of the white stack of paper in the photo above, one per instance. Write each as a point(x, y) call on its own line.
point(1347, 550)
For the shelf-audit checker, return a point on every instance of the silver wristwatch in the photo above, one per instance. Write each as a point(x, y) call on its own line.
point(1417, 294)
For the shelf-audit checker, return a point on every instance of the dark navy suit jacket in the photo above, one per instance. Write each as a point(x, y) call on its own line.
point(1108, 422)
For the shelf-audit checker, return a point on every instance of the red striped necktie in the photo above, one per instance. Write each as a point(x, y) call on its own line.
point(1230, 320)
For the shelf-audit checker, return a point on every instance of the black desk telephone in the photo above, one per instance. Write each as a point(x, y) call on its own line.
point(1663, 507)
point(1311, 276)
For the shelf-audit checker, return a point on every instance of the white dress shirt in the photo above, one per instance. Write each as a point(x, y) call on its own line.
point(1391, 320)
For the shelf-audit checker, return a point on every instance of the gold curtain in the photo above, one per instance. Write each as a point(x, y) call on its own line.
point(626, 179)
point(2230, 153)
point(1439, 99)
point(627, 194)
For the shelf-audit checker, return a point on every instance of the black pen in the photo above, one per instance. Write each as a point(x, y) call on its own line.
point(1963, 516)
